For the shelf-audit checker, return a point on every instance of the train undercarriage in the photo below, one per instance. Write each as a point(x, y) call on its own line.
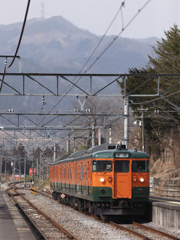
point(110, 209)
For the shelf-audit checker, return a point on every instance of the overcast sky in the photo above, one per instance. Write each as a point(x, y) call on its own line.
point(96, 15)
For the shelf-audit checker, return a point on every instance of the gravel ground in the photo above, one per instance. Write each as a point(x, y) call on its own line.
point(85, 227)
point(165, 229)
point(78, 224)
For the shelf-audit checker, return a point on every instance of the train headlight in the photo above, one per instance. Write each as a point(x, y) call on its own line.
point(102, 179)
point(141, 179)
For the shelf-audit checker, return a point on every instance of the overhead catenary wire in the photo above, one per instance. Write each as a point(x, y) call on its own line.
point(119, 10)
point(132, 19)
point(101, 53)
point(19, 43)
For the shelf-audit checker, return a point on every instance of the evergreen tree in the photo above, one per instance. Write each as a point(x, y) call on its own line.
point(165, 61)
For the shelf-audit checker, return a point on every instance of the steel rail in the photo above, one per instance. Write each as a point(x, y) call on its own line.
point(121, 227)
point(154, 230)
point(124, 228)
point(29, 218)
point(42, 213)
point(131, 231)
point(50, 219)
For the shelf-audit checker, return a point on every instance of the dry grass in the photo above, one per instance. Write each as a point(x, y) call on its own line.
point(165, 170)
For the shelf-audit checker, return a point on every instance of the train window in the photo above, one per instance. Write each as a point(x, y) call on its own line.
point(84, 173)
point(140, 166)
point(121, 166)
point(78, 173)
point(59, 172)
point(63, 173)
point(102, 166)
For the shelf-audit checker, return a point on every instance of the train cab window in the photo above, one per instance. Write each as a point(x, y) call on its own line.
point(140, 166)
point(102, 166)
point(121, 166)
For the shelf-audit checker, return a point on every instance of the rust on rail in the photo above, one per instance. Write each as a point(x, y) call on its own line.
point(131, 231)
point(156, 231)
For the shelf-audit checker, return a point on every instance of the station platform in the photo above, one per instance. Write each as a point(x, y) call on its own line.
point(165, 212)
point(12, 224)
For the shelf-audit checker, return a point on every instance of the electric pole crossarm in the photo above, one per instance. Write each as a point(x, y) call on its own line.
point(8, 120)
point(74, 85)
point(30, 120)
point(10, 141)
point(50, 121)
point(11, 88)
point(38, 133)
point(106, 86)
point(41, 84)
point(172, 104)
point(23, 134)
point(144, 95)
point(140, 85)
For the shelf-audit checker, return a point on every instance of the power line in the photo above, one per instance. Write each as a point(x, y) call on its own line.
point(19, 43)
point(132, 19)
point(120, 9)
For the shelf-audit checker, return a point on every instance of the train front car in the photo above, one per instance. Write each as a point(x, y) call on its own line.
point(120, 182)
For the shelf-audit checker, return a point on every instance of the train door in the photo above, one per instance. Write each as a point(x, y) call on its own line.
point(90, 178)
point(61, 177)
point(69, 177)
point(122, 179)
point(85, 179)
point(75, 176)
point(78, 173)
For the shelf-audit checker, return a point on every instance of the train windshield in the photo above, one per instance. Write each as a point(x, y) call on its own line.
point(121, 166)
point(140, 166)
point(102, 166)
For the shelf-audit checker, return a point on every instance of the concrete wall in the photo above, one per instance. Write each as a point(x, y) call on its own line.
point(166, 214)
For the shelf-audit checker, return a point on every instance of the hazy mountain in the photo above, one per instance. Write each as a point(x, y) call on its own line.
point(55, 45)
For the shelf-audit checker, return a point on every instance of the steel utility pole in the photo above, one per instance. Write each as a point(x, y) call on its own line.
point(74, 144)
point(68, 143)
point(110, 135)
point(40, 166)
point(142, 125)
point(24, 168)
point(33, 169)
point(126, 120)
point(54, 152)
point(5, 159)
point(93, 136)
point(19, 166)
point(0, 164)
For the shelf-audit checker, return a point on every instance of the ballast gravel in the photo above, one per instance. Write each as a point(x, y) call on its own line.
point(78, 224)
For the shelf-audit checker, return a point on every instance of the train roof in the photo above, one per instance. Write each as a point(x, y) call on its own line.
point(103, 151)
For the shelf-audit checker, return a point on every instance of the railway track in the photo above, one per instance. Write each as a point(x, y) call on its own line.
point(150, 233)
point(138, 230)
point(134, 228)
point(45, 225)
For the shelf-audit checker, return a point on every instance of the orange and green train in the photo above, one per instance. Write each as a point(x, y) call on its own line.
point(105, 180)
